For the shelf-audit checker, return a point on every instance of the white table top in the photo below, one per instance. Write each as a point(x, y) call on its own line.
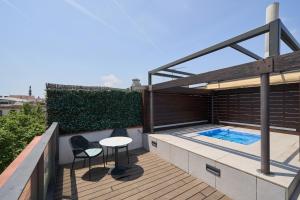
point(115, 141)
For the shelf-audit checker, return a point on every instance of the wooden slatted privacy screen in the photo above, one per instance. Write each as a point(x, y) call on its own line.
point(232, 105)
point(243, 106)
point(173, 108)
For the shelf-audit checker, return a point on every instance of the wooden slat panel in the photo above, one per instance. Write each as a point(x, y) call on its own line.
point(243, 105)
point(172, 108)
point(288, 61)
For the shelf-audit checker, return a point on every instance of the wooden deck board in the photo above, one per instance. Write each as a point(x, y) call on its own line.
point(191, 192)
point(119, 183)
point(148, 177)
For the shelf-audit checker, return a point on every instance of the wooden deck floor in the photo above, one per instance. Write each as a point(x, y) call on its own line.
point(148, 177)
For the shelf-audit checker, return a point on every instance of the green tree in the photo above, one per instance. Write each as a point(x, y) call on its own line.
point(17, 129)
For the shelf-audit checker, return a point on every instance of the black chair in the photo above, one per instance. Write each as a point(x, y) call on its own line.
point(83, 149)
point(119, 132)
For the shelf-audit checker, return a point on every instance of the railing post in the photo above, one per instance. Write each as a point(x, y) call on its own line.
point(54, 163)
point(40, 178)
point(54, 157)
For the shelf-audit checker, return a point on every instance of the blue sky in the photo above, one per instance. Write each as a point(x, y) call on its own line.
point(100, 42)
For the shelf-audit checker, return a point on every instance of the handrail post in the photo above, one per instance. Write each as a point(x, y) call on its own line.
point(54, 156)
point(40, 178)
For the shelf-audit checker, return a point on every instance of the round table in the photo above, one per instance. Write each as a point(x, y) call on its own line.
point(116, 142)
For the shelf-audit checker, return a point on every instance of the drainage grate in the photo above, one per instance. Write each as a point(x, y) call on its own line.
point(213, 170)
point(154, 143)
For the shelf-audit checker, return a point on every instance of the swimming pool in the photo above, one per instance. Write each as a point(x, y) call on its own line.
point(231, 135)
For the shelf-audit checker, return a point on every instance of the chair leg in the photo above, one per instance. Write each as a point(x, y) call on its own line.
point(72, 164)
point(90, 168)
point(127, 154)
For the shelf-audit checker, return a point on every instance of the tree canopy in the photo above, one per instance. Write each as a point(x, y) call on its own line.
point(17, 129)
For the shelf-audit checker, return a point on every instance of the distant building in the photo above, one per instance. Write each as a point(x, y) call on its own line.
point(136, 85)
point(9, 104)
point(13, 103)
point(24, 97)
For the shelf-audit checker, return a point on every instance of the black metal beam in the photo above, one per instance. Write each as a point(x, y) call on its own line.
point(167, 75)
point(274, 37)
point(178, 72)
point(265, 123)
point(245, 51)
point(289, 39)
point(245, 36)
point(252, 69)
point(276, 64)
point(151, 103)
point(274, 50)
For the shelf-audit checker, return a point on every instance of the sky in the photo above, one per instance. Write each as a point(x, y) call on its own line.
point(108, 43)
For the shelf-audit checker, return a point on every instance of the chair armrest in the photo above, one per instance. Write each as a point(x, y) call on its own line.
point(94, 144)
point(77, 151)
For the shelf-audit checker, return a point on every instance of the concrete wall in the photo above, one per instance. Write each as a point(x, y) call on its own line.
point(65, 152)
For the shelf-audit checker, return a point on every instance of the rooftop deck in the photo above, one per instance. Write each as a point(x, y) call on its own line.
point(148, 177)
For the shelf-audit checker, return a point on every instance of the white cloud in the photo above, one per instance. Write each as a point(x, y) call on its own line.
point(110, 80)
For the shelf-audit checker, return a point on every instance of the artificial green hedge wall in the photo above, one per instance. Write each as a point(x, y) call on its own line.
point(81, 110)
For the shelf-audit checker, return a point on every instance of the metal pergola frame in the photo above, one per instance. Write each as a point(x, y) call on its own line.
point(275, 63)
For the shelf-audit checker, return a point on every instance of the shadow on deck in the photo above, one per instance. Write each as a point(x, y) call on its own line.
point(147, 177)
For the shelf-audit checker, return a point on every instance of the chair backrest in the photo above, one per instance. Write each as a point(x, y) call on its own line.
point(117, 132)
point(79, 141)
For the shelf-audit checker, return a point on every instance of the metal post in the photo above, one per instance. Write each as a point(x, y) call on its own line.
point(212, 109)
point(272, 48)
point(151, 102)
point(265, 124)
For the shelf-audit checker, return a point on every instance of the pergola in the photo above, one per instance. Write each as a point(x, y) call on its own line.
point(262, 68)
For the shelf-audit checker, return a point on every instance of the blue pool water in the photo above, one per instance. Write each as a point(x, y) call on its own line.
point(232, 136)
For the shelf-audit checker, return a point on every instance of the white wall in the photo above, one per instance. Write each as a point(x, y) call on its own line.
point(65, 152)
point(5, 111)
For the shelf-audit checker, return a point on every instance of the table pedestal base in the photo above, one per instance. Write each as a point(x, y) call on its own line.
point(118, 170)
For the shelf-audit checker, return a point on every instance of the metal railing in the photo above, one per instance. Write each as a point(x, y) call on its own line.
point(35, 177)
